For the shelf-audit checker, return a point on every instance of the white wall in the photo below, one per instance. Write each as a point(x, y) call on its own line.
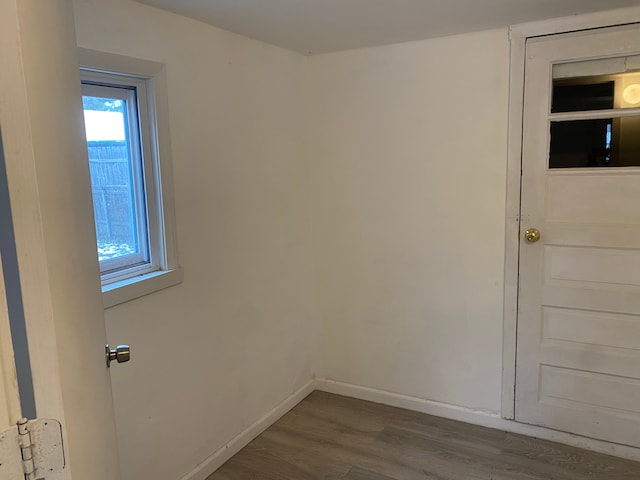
point(214, 354)
point(394, 158)
point(408, 164)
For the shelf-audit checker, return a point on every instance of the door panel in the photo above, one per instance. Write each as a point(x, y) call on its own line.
point(590, 327)
point(604, 268)
point(592, 202)
point(589, 391)
point(578, 359)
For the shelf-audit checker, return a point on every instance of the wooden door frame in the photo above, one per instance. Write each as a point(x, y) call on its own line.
point(518, 35)
point(10, 412)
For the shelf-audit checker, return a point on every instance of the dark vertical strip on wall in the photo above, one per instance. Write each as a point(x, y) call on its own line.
point(14, 296)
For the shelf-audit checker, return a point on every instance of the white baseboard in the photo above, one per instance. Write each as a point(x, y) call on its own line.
point(219, 457)
point(430, 407)
point(476, 417)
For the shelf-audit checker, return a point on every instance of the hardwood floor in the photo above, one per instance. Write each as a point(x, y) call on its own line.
point(330, 437)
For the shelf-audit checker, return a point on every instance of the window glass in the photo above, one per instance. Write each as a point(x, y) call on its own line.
point(111, 176)
point(115, 162)
point(569, 97)
point(583, 135)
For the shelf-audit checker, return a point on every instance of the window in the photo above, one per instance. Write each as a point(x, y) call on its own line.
point(114, 128)
point(595, 120)
point(129, 179)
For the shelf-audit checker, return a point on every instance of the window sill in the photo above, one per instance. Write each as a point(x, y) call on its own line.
point(126, 290)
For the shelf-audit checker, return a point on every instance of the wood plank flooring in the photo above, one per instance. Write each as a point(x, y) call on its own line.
point(329, 437)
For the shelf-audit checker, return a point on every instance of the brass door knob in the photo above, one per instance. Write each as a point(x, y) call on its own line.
point(532, 235)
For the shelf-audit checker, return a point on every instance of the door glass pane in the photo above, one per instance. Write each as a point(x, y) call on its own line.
point(112, 179)
point(596, 92)
point(610, 142)
point(571, 97)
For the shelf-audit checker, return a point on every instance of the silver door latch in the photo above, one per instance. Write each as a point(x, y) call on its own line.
point(121, 354)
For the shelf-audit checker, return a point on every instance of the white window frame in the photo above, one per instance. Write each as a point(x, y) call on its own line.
point(160, 269)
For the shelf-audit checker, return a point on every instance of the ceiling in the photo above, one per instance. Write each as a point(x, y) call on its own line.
point(321, 26)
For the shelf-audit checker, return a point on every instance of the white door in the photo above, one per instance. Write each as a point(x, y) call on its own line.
point(49, 186)
point(578, 355)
